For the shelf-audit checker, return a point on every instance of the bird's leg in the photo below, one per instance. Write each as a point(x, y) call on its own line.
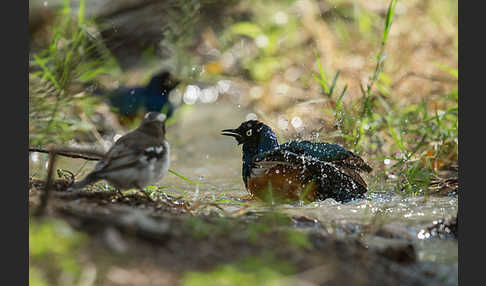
point(120, 193)
point(166, 197)
point(146, 194)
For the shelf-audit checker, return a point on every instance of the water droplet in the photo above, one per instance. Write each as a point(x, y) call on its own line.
point(209, 95)
point(282, 89)
point(256, 92)
point(34, 157)
point(296, 122)
point(191, 94)
point(251, 116)
point(175, 97)
point(282, 122)
point(224, 85)
point(280, 18)
point(261, 41)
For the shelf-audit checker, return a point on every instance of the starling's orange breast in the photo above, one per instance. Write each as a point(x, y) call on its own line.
point(282, 183)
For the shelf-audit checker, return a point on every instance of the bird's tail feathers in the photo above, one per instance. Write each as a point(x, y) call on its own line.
point(95, 88)
point(355, 162)
point(91, 178)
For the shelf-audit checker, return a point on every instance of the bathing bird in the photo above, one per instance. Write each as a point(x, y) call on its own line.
point(297, 170)
point(137, 159)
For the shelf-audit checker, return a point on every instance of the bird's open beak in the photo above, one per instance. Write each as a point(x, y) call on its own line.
point(233, 133)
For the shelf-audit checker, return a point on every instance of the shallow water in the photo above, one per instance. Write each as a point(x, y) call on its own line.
point(200, 153)
point(215, 161)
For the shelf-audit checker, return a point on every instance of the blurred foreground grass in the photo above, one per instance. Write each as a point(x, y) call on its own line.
point(265, 270)
point(54, 253)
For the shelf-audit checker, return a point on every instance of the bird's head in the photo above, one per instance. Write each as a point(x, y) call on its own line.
point(248, 132)
point(164, 80)
point(256, 138)
point(154, 117)
point(154, 123)
point(253, 133)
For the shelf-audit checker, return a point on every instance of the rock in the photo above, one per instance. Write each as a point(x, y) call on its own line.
point(442, 228)
point(401, 253)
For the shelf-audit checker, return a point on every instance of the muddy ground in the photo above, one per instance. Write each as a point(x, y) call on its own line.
point(137, 242)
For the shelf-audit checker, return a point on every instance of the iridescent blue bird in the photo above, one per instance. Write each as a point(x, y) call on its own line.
point(297, 170)
point(129, 102)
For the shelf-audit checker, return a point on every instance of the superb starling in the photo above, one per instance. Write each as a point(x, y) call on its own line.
point(137, 159)
point(297, 170)
point(130, 101)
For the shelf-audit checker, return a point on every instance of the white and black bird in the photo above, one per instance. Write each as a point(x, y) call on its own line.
point(137, 159)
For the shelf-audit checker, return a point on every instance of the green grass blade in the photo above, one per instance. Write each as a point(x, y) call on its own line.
point(322, 76)
point(451, 71)
point(82, 6)
point(42, 63)
point(339, 102)
point(182, 177)
point(333, 85)
point(396, 137)
point(388, 22)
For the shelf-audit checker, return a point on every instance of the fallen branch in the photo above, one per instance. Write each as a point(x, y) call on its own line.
point(68, 152)
point(85, 194)
point(64, 151)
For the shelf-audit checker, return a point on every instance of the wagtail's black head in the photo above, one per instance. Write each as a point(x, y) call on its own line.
point(248, 132)
point(164, 80)
point(153, 123)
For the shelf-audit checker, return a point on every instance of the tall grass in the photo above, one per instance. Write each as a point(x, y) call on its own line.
point(73, 57)
point(410, 143)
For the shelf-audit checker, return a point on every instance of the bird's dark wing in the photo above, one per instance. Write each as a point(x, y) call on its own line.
point(323, 151)
point(328, 152)
point(334, 183)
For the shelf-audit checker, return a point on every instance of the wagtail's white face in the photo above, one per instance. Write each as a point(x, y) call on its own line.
point(155, 116)
point(161, 117)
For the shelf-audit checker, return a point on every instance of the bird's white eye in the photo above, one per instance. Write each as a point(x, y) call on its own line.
point(248, 133)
